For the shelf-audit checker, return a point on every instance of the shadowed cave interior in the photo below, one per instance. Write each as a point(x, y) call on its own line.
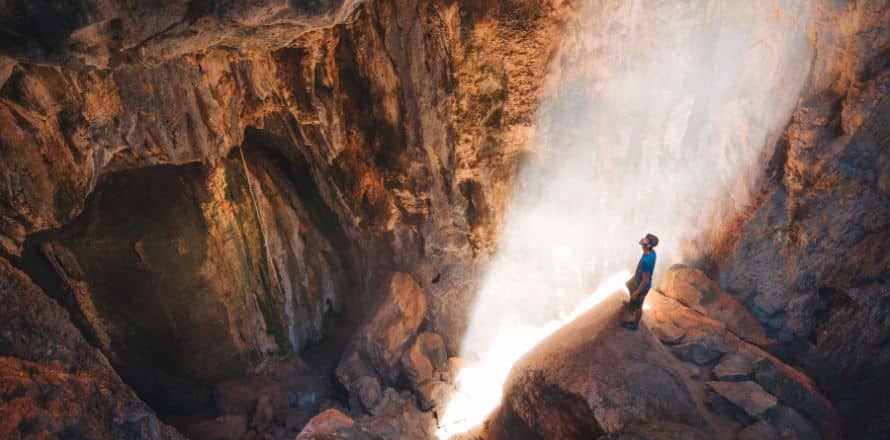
point(409, 219)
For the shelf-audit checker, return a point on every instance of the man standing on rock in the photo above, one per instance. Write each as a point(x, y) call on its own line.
point(639, 285)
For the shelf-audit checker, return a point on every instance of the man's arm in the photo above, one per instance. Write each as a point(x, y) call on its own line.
point(644, 279)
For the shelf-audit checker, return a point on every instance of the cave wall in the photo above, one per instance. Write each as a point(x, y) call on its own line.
point(188, 275)
point(374, 106)
point(810, 256)
point(52, 382)
point(387, 134)
point(382, 137)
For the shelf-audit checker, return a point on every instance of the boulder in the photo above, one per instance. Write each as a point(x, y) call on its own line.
point(794, 389)
point(692, 288)
point(226, 427)
point(400, 420)
point(700, 348)
point(264, 413)
point(390, 403)
point(425, 356)
point(758, 431)
point(331, 425)
point(668, 311)
point(746, 395)
point(669, 334)
point(734, 367)
point(368, 391)
point(432, 393)
point(433, 346)
point(416, 366)
point(792, 425)
point(593, 377)
point(378, 344)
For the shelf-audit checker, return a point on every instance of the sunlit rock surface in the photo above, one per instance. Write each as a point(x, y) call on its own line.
point(593, 377)
point(384, 136)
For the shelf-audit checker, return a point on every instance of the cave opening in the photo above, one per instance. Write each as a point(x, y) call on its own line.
point(171, 273)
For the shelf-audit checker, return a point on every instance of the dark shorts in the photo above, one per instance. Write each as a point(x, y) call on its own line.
point(637, 303)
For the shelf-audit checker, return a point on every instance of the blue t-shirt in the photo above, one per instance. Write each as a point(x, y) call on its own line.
point(646, 264)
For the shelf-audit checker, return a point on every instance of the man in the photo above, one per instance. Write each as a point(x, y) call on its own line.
point(639, 285)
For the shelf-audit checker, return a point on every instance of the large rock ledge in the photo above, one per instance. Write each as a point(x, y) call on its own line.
point(594, 378)
point(684, 374)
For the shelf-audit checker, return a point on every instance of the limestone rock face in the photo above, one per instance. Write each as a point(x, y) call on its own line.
point(379, 344)
point(104, 34)
point(378, 119)
point(810, 256)
point(331, 424)
point(257, 171)
point(222, 266)
point(695, 290)
point(206, 186)
point(593, 378)
point(780, 394)
point(52, 382)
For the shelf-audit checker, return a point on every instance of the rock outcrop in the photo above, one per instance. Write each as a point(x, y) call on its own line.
point(380, 341)
point(209, 187)
point(223, 268)
point(53, 384)
point(594, 378)
point(810, 255)
point(282, 158)
point(757, 385)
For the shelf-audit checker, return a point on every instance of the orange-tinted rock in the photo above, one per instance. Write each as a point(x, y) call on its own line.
point(692, 288)
point(747, 395)
point(52, 382)
point(331, 425)
point(433, 393)
point(416, 366)
point(225, 427)
point(797, 390)
point(380, 341)
point(368, 391)
point(426, 355)
point(593, 377)
point(264, 413)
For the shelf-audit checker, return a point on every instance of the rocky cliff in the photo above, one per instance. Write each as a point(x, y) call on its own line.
point(206, 187)
point(194, 191)
point(810, 255)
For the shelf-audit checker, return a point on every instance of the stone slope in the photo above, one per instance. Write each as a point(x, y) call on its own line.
point(683, 374)
point(52, 382)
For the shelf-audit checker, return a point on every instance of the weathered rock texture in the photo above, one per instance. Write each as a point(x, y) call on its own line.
point(252, 170)
point(742, 380)
point(53, 384)
point(401, 128)
point(594, 378)
point(811, 255)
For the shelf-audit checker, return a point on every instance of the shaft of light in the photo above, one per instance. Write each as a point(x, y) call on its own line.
point(480, 385)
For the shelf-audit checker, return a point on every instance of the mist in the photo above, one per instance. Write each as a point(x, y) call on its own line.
point(660, 114)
